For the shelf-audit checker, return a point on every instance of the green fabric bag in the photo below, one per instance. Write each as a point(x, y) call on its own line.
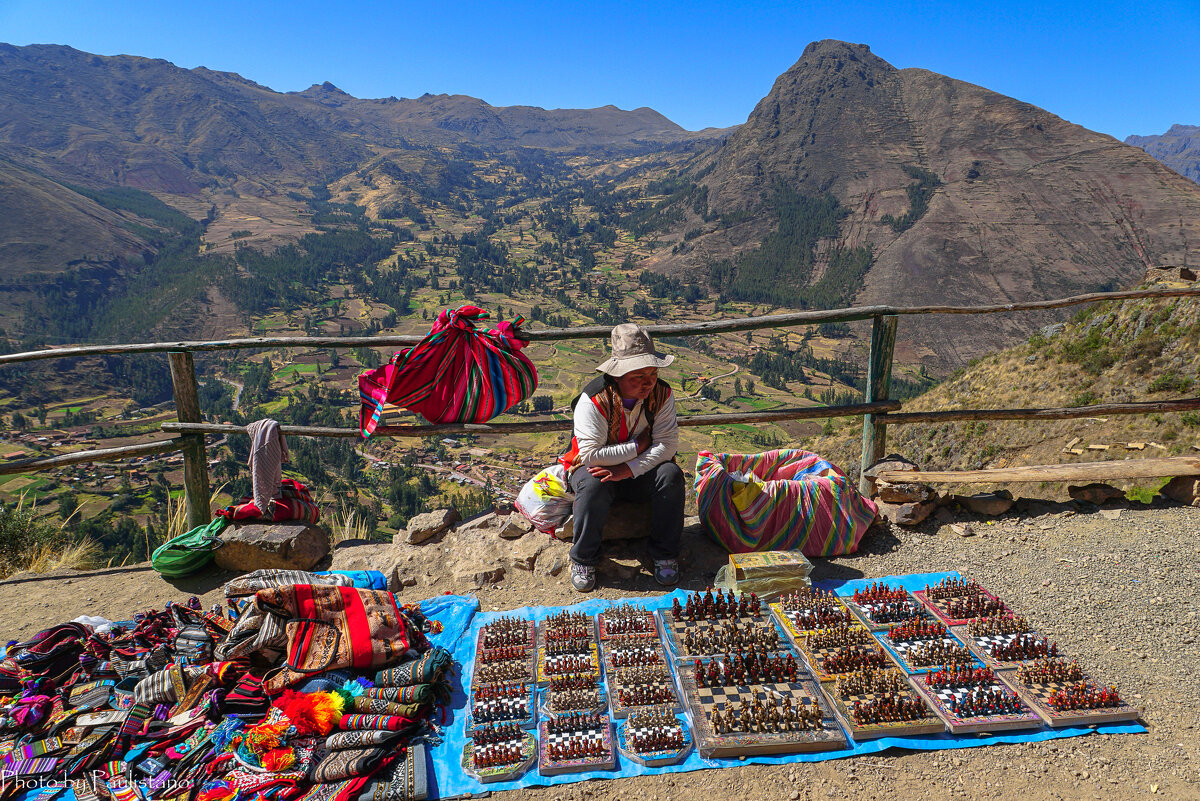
point(190, 552)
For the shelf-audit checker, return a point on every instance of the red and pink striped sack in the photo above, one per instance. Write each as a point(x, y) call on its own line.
point(456, 374)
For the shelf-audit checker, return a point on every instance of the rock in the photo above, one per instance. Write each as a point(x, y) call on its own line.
point(1110, 514)
point(523, 553)
point(962, 529)
point(987, 503)
point(891, 462)
point(514, 527)
point(621, 568)
point(1052, 330)
point(488, 520)
point(903, 493)
point(479, 576)
point(626, 521)
point(286, 546)
point(1096, 492)
point(428, 525)
point(906, 514)
point(552, 563)
point(1184, 489)
point(401, 577)
point(944, 515)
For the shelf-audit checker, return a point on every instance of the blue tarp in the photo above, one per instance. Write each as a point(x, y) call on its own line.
point(449, 780)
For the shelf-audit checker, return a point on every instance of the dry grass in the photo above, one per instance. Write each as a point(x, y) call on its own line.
point(81, 555)
point(348, 526)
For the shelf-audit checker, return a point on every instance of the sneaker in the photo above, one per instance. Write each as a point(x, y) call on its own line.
point(666, 572)
point(583, 577)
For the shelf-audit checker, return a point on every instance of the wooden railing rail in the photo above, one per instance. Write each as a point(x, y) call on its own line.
point(878, 411)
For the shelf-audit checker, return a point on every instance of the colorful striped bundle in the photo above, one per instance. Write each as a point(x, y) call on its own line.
point(789, 499)
point(456, 374)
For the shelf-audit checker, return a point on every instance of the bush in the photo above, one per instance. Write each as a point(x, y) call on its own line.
point(1085, 398)
point(1170, 382)
point(21, 534)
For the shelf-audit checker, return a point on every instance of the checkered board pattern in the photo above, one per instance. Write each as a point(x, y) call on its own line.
point(703, 700)
point(601, 705)
point(901, 650)
point(619, 710)
point(653, 758)
point(676, 628)
point(648, 650)
point(1036, 696)
point(651, 622)
point(939, 610)
point(530, 643)
point(931, 724)
point(546, 664)
point(527, 663)
point(522, 706)
point(940, 698)
point(790, 624)
point(500, 773)
point(604, 735)
point(866, 614)
point(984, 646)
point(815, 656)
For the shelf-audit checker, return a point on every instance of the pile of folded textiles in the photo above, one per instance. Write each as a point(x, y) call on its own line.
point(301, 687)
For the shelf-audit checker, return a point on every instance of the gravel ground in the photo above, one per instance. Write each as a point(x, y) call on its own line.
point(1120, 594)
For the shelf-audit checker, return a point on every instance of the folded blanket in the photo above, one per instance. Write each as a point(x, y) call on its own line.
point(365, 738)
point(377, 706)
point(343, 764)
point(430, 667)
point(403, 780)
point(376, 722)
point(413, 694)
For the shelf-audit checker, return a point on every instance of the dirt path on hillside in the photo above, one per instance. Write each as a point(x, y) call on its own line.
point(1119, 594)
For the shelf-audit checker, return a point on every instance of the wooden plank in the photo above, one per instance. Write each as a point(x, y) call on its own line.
point(879, 378)
point(195, 458)
point(1083, 471)
point(172, 445)
point(597, 331)
point(533, 426)
point(1068, 413)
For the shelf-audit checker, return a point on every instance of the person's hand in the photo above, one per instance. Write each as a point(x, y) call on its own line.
point(644, 441)
point(618, 472)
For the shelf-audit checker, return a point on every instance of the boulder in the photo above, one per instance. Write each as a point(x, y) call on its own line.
point(626, 521)
point(552, 562)
point(903, 493)
point(906, 514)
point(514, 527)
point(479, 576)
point(1096, 492)
point(988, 504)
point(426, 526)
point(1184, 489)
point(891, 462)
point(488, 520)
point(284, 546)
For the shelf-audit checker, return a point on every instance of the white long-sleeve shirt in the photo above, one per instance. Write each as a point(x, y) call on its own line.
point(591, 435)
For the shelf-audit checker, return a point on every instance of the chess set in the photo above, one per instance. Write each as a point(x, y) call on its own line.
point(732, 676)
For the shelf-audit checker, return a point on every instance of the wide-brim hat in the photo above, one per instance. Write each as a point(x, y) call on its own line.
point(632, 349)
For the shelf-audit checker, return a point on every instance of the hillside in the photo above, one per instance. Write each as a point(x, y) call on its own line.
point(1178, 148)
point(1106, 353)
point(952, 193)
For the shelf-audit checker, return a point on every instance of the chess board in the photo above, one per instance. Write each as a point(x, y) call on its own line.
point(938, 608)
point(703, 700)
point(524, 669)
point(523, 706)
point(653, 758)
point(931, 724)
point(865, 613)
point(620, 710)
point(499, 773)
point(1036, 696)
point(549, 767)
point(531, 642)
point(675, 630)
point(940, 699)
point(546, 664)
point(790, 624)
point(650, 621)
point(984, 646)
point(550, 708)
point(814, 656)
point(901, 650)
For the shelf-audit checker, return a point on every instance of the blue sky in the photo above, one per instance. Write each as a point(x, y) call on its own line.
point(1119, 68)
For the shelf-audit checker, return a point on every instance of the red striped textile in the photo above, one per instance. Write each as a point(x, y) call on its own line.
point(456, 374)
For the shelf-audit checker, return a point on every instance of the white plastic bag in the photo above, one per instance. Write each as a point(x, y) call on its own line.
point(546, 499)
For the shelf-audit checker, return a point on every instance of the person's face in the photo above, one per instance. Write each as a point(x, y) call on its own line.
point(638, 384)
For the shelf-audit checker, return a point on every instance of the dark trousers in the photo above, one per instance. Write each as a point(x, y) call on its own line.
point(663, 487)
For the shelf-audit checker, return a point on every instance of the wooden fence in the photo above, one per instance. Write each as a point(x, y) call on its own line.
point(877, 410)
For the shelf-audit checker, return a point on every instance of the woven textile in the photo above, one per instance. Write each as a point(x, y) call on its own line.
point(377, 706)
point(792, 499)
point(429, 668)
point(362, 738)
point(376, 722)
point(403, 780)
point(456, 374)
point(416, 694)
point(335, 627)
point(339, 765)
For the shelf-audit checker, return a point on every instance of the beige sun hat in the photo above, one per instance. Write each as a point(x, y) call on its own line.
point(632, 349)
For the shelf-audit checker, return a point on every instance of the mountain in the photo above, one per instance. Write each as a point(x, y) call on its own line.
point(962, 196)
point(1178, 148)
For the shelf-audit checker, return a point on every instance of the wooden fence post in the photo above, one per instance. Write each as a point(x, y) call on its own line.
point(195, 458)
point(879, 377)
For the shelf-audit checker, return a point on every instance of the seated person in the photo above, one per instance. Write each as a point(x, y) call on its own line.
point(626, 435)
